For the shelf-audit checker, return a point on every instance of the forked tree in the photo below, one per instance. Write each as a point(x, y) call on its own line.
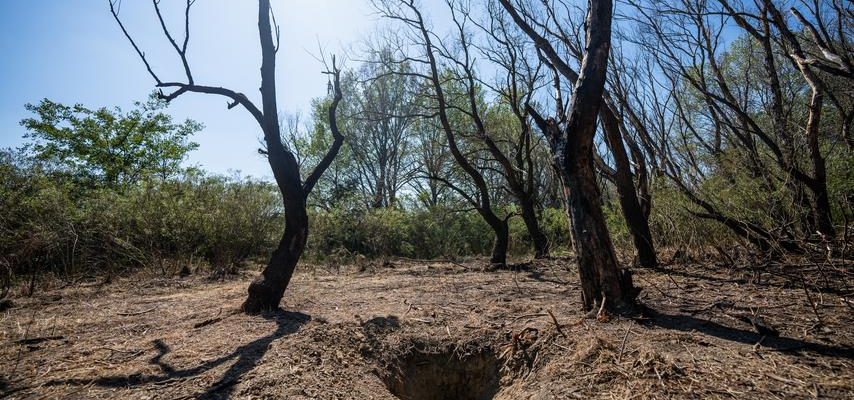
point(603, 282)
point(267, 290)
point(634, 200)
point(408, 13)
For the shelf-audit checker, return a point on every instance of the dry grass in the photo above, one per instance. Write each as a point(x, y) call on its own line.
point(154, 338)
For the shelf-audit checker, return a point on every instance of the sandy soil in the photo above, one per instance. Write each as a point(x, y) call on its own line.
point(422, 330)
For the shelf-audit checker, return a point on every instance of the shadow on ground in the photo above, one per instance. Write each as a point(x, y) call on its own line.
point(247, 357)
point(778, 279)
point(686, 323)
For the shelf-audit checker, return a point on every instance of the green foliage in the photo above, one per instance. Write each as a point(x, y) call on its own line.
point(47, 224)
point(673, 225)
point(424, 233)
point(110, 147)
point(840, 183)
point(386, 232)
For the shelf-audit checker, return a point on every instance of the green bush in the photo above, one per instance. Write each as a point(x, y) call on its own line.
point(49, 224)
point(389, 232)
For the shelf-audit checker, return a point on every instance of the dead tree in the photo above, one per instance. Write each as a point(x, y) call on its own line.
point(515, 161)
point(408, 13)
point(752, 114)
point(603, 281)
point(267, 290)
point(635, 211)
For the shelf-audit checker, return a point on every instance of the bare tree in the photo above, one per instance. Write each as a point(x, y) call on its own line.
point(515, 150)
point(383, 112)
point(566, 32)
point(752, 108)
point(267, 290)
point(603, 282)
point(408, 13)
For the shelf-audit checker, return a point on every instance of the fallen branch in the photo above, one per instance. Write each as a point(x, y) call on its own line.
point(538, 315)
point(756, 321)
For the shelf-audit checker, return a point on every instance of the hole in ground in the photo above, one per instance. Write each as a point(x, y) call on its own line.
point(444, 376)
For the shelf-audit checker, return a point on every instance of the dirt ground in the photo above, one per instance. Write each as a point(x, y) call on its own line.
point(422, 330)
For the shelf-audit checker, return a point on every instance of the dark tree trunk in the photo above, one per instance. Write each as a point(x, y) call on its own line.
point(633, 213)
point(502, 242)
point(567, 211)
point(602, 280)
point(532, 224)
point(266, 291)
point(823, 218)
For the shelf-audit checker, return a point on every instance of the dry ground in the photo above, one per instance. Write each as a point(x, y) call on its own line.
point(421, 330)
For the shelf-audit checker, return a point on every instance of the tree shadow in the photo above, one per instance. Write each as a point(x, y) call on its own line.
point(777, 279)
point(247, 357)
point(517, 267)
point(687, 323)
point(5, 388)
point(538, 275)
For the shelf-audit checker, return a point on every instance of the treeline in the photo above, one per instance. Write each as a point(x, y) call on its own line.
point(56, 221)
point(718, 120)
point(52, 225)
point(720, 123)
point(97, 191)
point(104, 191)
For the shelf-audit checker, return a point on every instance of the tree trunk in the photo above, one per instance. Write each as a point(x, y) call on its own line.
point(529, 215)
point(602, 280)
point(379, 191)
point(818, 183)
point(266, 291)
point(633, 213)
point(502, 242)
point(823, 219)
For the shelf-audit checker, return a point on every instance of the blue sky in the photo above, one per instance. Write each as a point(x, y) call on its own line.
point(72, 51)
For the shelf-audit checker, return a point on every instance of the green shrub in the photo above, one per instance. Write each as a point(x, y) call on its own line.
point(49, 224)
point(387, 232)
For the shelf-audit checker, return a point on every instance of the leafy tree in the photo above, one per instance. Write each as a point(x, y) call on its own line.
point(107, 146)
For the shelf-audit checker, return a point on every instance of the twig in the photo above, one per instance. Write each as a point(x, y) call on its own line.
point(529, 316)
point(623, 345)
point(129, 314)
point(26, 333)
point(210, 321)
point(809, 299)
point(656, 287)
point(600, 314)
point(557, 325)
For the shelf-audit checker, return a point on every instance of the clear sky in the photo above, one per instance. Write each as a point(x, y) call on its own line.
point(72, 51)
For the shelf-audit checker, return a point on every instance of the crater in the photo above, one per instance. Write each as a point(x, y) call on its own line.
point(444, 375)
